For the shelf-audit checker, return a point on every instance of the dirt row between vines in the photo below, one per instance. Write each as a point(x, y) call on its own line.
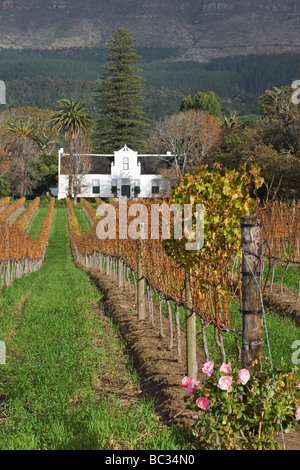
point(160, 373)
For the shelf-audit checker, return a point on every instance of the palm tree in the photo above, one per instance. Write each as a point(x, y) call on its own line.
point(71, 118)
point(74, 121)
point(275, 103)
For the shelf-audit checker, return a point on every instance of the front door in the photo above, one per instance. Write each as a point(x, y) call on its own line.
point(125, 190)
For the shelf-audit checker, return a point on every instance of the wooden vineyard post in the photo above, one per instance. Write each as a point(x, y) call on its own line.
point(120, 272)
point(2, 353)
point(106, 262)
point(252, 310)
point(140, 277)
point(191, 346)
point(119, 268)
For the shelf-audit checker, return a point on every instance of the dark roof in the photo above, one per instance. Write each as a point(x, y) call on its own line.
point(101, 164)
point(151, 165)
point(98, 164)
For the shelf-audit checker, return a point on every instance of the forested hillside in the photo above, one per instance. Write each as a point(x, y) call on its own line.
point(53, 48)
point(40, 78)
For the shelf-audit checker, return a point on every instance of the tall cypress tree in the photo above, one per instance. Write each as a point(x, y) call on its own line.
point(119, 98)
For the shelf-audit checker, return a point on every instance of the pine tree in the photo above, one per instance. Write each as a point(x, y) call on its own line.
point(119, 98)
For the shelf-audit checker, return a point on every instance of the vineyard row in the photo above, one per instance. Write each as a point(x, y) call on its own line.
point(163, 276)
point(19, 253)
point(211, 285)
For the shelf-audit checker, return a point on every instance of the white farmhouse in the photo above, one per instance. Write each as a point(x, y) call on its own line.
point(125, 170)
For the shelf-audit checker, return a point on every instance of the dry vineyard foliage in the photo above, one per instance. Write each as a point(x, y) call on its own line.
point(19, 253)
point(166, 264)
point(217, 269)
point(4, 201)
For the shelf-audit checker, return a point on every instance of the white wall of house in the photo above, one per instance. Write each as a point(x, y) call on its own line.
point(125, 174)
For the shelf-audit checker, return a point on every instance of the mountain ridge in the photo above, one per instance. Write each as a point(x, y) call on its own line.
point(200, 29)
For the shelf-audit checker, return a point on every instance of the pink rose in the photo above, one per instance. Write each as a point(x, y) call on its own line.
point(243, 376)
point(225, 368)
point(225, 382)
point(208, 368)
point(297, 413)
point(191, 386)
point(185, 381)
point(298, 385)
point(203, 403)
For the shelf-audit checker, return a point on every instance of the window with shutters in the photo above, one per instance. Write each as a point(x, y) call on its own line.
point(96, 187)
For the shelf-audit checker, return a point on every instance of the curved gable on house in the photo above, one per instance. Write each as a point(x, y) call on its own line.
point(125, 169)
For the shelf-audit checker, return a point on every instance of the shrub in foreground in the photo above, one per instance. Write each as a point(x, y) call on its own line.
point(241, 408)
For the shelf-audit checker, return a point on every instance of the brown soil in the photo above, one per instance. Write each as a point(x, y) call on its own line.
point(160, 372)
point(158, 367)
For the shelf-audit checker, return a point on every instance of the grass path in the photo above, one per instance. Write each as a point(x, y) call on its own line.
point(66, 384)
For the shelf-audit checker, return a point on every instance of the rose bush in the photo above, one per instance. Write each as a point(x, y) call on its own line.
point(243, 410)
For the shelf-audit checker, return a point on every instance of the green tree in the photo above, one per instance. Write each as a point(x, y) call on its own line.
point(119, 100)
point(4, 174)
point(280, 170)
point(276, 102)
point(72, 118)
point(280, 123)
point(48, 173)
point(208, 102)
